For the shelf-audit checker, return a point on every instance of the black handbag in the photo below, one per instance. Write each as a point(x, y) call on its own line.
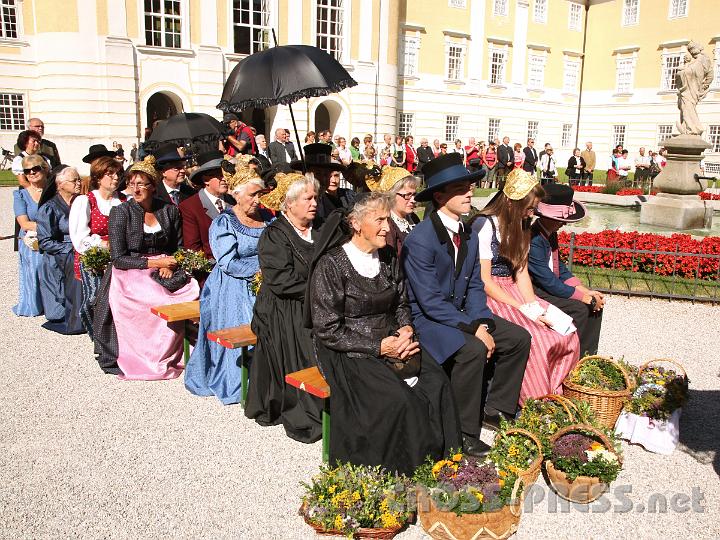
point(177, 281)
point(405, 368)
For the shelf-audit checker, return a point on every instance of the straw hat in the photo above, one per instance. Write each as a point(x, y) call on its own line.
point(238, 175)
point(275, 198)
point(146, 166)
point(388, 178)
point(519, 183)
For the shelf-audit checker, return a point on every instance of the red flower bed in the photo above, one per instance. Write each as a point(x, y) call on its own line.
point(705, 196)
point(663, 265)
point(634, 191)
point(599, 189)
point(589, 189)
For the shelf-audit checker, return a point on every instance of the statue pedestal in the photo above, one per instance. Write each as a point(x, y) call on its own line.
point(678, 206)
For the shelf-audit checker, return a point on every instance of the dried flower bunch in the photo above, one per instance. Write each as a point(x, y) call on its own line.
point(95, 260)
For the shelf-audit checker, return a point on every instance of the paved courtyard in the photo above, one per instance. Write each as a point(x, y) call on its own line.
point(84, 455)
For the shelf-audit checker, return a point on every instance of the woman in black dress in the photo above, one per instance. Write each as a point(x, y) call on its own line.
point(391, 404)
point(575, 167)
point(285, 251)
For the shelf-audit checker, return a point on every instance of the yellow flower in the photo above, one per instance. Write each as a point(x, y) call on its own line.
point(389, 520)
point(457, 457)
point(513, 451)
point(501, 482)
point(502, 474)
point(478, 494)
point(596, 446)
point(355, 496)
point(331, 490)
point(338, 522)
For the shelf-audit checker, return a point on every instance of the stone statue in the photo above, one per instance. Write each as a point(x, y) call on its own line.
point(693, 81)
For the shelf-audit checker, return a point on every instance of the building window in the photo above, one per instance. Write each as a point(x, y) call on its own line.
point(251, 25)
point(540, 11)
point(536, 72)
point(575, 17)
point(631, 12)
point(624, 75)
point(405, 124)
point(8, 19)
point(12, 112)
point(664, 131)
point(497, 66)
point(500, 7)
point(532, 129)
point(457, 4)
point(451, 127)
point(571, 74)
point(566, 135)
point(455, 54)
point(670, 65)
point(712, 169)
point(714, 135)
point(163, 23)
point(678, 8)
point(493, 129)
point(716, 81)
point(329, 28)
point(618, 135)
point(410, 56)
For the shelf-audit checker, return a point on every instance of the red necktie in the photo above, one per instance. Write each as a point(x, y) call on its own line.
point(219, 205)
point(456, 240)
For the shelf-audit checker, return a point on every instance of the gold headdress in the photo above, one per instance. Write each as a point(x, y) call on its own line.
point(146, 166)
point(241, 176)
point(388, 178)
point(243, 160)
point(275, 198)
point(518, 184)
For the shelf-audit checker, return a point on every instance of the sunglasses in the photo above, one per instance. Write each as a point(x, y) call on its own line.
point(35, 169)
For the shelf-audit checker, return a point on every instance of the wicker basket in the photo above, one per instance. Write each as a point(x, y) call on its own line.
point(657, 361)
point(447, 525)
point(529, 475)
point(606, 404)
point(381, 534)
point(567, 405)
point(584, 489)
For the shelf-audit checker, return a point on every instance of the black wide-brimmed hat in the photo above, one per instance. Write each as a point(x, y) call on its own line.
point(318, 155)
point(98, 150)
point(445, 170)
point(207, 161)
point(558, 204)
point(168, 153)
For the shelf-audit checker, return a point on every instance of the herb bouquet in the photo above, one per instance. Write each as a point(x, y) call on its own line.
point(192, 262)
point(95, 260)
point(465, 497)
point(583, 463)
point(652, 417)
point(356, 501)
point(518, 451)
point(603, 383)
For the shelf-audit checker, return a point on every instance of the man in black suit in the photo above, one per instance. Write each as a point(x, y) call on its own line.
point(531, 157)
point(506, 161)
point(263, 153)
point(281, 149)
point(425, 154)
point(171, 165)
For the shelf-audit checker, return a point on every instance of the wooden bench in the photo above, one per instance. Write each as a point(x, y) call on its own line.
point(186, 312)
point(310, 380)
point(233, 338)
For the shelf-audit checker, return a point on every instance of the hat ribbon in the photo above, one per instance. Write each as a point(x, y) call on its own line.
point(557, 210)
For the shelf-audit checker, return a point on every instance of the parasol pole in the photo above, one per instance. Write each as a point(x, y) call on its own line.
point(292, 117)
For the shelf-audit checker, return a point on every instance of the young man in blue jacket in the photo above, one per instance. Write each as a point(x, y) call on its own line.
point(449, 306)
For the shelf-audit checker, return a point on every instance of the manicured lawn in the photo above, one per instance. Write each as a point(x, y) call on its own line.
point(7, 178)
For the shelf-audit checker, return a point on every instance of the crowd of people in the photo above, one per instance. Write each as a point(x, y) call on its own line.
point(426, 330)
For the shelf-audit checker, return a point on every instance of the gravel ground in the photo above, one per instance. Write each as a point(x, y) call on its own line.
point(83, 454)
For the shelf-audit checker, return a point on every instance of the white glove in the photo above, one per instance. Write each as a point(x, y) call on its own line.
point(30, 240)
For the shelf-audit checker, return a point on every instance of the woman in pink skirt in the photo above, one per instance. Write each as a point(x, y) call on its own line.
point(503, 230)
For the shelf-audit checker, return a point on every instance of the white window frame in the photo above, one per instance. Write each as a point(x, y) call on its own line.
point(346, 27)
point(184, 26)
point(411, 123)
point(714, 138)
point(9, 95)
point(494, 132)
point(540, 16)
point(411, 41)
point(575, 10)
point(661, 132)
point(459, 4)
point(625, 65)
point(674, 13)
point(716, 80)
point(501, 50)
point(533, 129)
point(619, 132)
point(16, 7)
point(501, 8)
point(271, 7)
point(571, 64)
point(536, 65)
point(452, 127)
point(566, 137)
point(459, 69)
point(627, 5)
point(667, 81)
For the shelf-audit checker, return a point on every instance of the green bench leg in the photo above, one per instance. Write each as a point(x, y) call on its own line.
point(243, 375)
point(326, 431)
point(186, 349)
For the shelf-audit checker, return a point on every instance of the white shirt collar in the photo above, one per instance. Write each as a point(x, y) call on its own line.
point(212, 197)
point(170, 189)
point(451, 224)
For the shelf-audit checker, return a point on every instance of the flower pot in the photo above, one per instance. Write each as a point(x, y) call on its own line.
point(382, 534)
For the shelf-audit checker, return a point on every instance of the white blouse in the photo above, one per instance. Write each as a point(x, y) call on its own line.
point(305, 235)
point(366, 264)
point(79, 221)
point(485, 238)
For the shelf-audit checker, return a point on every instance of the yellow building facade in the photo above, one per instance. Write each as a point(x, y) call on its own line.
point(558, 70)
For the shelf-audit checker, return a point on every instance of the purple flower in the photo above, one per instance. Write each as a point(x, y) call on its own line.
point(572, 445)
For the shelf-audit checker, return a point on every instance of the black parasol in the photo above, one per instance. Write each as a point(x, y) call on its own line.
point(186, 128)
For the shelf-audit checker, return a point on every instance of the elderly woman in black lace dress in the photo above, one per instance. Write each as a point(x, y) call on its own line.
point(391, 404)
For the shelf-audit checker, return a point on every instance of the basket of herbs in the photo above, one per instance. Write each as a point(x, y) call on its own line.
point(194, 263)
point(603, 383)
point(95, 260)
point(518, 451)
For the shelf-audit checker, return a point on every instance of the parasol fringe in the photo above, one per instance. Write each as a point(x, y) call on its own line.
point(263, 103)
